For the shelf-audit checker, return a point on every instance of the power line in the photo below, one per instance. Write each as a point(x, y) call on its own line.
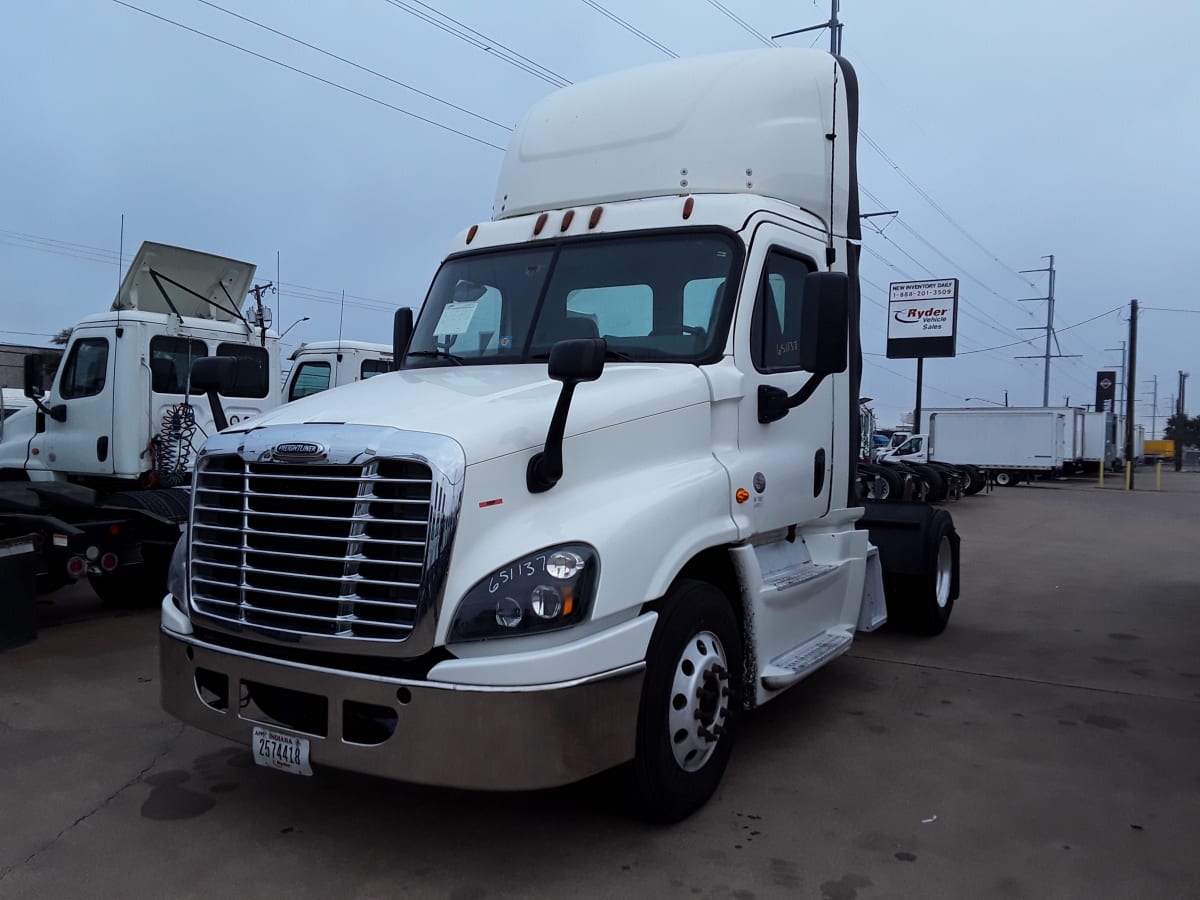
point(362, 68)
point(482, 42)
point(1060, 330)
point(636, 32)
point(307, 74)
point(742, 23)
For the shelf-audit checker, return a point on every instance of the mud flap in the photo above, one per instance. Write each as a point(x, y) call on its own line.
point(905, 533)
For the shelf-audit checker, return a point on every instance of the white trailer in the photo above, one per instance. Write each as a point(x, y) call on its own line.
point(1012, 444)
point(608, 499)
point(1099, 440)
point(320, 365)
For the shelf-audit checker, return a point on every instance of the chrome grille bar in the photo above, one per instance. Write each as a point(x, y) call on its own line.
point(367, 523)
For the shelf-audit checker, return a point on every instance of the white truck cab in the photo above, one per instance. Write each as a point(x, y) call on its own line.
point(320, 365)
point(607, 501)
point(120, 427)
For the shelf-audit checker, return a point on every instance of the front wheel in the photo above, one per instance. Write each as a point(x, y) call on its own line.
point(691, 698)
point(1004, 479)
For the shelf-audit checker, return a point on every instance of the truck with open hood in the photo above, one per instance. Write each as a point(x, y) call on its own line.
point(607, 502)
point(100, 463)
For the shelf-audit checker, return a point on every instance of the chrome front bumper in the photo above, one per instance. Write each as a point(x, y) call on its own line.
point(464, 736)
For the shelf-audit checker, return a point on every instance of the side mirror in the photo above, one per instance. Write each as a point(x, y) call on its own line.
point(35, 376)
point(571, 362)
point(215, 375)
point(402, 329)
point(823, 334)
point(825, 323)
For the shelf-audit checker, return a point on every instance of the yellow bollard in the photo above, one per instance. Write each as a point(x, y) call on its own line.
point(1128, 476)
point(1158, 475)
point(1103, 465)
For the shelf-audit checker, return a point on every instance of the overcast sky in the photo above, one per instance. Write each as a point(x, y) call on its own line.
point(1069, 128)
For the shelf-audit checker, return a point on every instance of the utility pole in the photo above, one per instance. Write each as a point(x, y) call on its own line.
point(1180, 418)
point(1121, 382)
point(1048, 327)
point(834, 26)
point(1129, 383)
point(1154, 409)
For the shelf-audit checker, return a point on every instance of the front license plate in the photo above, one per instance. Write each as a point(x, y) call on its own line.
point(277, 750)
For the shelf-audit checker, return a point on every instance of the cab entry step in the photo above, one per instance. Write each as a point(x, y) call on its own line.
point(792, 665)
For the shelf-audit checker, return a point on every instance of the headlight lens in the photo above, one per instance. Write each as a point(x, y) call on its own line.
point(544, 591)
point(177, 574)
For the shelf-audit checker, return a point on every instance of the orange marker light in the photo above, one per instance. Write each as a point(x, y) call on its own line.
point(594, 218)
point(540, 223)
point(471, 233)
point(742, 495)
point(568, 217)
point(687, 207)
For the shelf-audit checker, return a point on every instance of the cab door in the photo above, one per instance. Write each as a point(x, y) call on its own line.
point(784, 467)
point(83, 443)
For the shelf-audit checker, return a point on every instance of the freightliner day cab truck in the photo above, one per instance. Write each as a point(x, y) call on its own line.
point(321, 365)
point(608, 501)
point(99, 465)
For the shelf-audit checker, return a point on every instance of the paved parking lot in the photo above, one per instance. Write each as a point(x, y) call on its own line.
point(1048, 745)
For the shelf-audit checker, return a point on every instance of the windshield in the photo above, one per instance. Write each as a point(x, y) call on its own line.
point(662, 297)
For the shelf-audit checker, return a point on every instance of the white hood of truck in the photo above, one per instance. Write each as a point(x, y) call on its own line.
point(223, 283)
point(495, 410)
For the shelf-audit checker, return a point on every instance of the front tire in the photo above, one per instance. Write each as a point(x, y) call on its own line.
point(691, 700)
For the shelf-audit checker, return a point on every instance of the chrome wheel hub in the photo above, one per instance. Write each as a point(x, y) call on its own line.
point(699, 701)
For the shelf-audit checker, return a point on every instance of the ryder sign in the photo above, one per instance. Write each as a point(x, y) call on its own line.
point(922, 318)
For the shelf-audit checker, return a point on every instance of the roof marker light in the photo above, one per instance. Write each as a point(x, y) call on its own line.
point(540, 224)
point(594, 219)
point(688, 204)
point(471, 233)
point(568, 218)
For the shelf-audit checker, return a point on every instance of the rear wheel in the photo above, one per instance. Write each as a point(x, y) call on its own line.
point(937, 484)
point(923, 603)
point(977, 480)
point(691, 697)
point(1004, 479)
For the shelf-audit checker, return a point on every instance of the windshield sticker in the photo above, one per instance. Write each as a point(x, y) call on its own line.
point(456, 317)
point(506, 342)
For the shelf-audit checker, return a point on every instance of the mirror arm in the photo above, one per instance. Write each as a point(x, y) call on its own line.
point(545, 469)
point(774, 403)
point(217, 410)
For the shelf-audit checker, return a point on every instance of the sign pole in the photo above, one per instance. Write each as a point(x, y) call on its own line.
point(917, 409)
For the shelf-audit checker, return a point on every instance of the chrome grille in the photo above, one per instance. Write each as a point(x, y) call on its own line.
point(335, 551)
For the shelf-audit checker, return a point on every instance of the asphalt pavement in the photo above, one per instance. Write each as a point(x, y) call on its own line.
point(1046, 746)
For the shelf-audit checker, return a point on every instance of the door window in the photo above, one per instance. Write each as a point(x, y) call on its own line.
point(372, 367)
point(775, 327)
point(912, 445)
point(311, 378)
point(253, 364)
point(86, 369)
point(171, 362)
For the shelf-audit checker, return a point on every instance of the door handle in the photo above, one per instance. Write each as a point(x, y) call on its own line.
point(818, 472)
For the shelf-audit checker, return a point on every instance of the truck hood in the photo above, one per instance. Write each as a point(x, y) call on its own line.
point(495, 410)
point(222, 283)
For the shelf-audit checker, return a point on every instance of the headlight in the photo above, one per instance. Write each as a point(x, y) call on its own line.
point(544, 591)
point(177, 574)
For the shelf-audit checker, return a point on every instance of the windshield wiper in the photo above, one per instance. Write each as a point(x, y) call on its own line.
point(438, 354)
point(610, 353)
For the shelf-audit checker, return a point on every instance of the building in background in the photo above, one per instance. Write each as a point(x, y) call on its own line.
point(12, 362)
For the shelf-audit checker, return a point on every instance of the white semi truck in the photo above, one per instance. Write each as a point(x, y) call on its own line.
point(100, 463)
point(320, 365)
point(1011, 444)
point(608, 501)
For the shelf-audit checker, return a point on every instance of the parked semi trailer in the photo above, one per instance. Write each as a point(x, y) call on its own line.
point(1010, 444)
point(98, 466)
point(608, 501)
